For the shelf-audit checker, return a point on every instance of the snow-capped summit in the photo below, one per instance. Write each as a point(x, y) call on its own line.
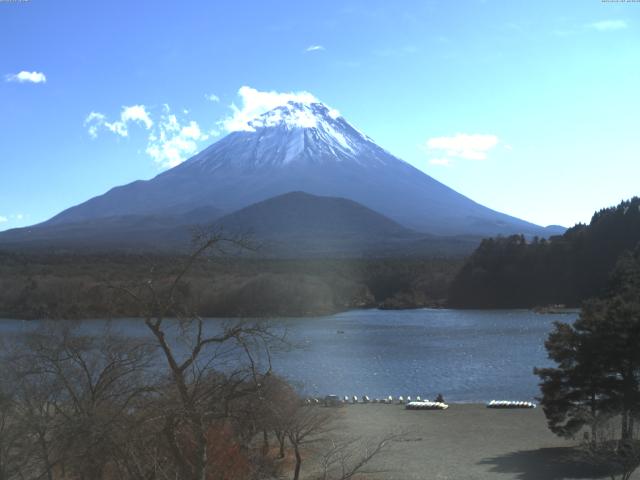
point(294, 132)
point(304, 147)
point(296, 115)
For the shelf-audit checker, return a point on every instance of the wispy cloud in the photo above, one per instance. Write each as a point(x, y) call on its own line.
point(254, 103)
point(461, 145)
point(212, 97)
point(129, 114)
point(173, 142)
point(170, 140)
point(314, 48)
point(26, 77)
point(3, 219)
point(608, 25)
point(136, 113)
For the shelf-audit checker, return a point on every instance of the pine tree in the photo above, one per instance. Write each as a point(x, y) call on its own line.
point(598, 360)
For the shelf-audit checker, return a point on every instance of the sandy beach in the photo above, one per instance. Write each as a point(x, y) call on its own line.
point(467, 441)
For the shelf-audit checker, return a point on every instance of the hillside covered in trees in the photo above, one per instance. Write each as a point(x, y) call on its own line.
point(511, 272)
point(84, 286)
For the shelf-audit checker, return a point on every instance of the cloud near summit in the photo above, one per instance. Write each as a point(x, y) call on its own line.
point(172, 139)
point(254, 103)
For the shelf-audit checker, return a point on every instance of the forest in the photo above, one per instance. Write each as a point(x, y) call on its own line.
point(83, 286)
point(513, 272)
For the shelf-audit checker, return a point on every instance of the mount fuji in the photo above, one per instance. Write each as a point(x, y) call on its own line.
point(296, 147)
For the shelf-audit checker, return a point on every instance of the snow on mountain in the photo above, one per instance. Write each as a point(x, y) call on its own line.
point(293, 132)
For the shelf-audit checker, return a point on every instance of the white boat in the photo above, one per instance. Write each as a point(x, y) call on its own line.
point(426, 405)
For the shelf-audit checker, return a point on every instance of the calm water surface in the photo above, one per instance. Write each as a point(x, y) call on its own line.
point(467, 355)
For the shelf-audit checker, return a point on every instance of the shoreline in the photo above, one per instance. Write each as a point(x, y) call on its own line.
point(566, 311)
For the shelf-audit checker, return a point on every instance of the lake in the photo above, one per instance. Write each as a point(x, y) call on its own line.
point(467, 355)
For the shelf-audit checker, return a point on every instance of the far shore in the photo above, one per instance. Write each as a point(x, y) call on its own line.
point(562, 311)
point(467, 441)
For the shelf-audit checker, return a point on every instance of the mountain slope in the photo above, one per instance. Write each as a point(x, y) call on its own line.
point(132, 232)
point(302, 147)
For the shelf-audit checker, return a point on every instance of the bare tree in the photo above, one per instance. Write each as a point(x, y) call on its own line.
point(209, 368)
point(344, 459)
point(280, 404)
point(36, 397)
point(308, 424)
point(74, 396)
point(10, 436)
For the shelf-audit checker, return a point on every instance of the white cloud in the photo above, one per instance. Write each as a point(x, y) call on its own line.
point(172, 142)
point(314, 48)
point(462, 145)
point(19, 216)
point(26, 77)
point(3, 219)
point(134, 113)
point(442, 162)
point(608, 25)
point(93, 122)
point(212, 97)
point(255, 103)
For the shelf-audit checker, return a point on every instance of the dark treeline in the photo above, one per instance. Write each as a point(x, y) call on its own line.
point(508, 272)
point(80, 286)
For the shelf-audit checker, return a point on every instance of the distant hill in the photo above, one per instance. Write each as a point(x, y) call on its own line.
point(302, 214)
point(295, 224)
point(298, 223)
point(507, 272)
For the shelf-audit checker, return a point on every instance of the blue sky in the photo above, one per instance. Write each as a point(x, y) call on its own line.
point(530, 108)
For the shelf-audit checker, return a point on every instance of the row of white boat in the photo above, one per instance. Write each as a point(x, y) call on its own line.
point(390, 400)
point(416, 403)
point(510, 404)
